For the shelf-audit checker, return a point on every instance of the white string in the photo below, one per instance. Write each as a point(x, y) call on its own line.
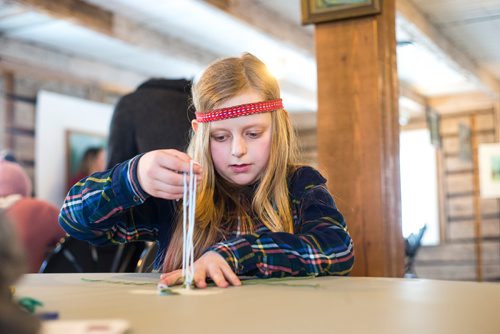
point(188, 215)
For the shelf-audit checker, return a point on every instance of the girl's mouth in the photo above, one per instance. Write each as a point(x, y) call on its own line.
point(240, 168)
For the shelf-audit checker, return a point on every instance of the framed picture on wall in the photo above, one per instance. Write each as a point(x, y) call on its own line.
point(489, 170)
point(315, 11)
point(85, 154)
point(464, 142)
point(433, 123)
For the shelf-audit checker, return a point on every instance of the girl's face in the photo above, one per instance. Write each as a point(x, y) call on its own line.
point(240, 146)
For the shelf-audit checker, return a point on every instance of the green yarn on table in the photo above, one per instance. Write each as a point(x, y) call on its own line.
point(117, 281)
point(281, 281)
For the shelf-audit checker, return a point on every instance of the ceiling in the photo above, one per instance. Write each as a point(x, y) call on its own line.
point(444, 46)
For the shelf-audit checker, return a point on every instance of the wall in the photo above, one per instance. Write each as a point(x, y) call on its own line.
point(456, 257)
point(18, 99)
point(57, 114)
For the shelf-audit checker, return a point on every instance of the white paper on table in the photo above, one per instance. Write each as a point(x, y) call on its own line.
point(101, 326)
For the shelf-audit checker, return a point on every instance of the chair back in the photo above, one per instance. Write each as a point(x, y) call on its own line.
point(75, 256)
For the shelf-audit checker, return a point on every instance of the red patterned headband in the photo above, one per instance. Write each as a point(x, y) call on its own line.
point(240, 110)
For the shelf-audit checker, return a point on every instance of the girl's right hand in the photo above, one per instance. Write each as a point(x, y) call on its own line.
point(160, 173)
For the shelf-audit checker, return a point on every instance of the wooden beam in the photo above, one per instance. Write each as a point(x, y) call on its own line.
point(136, 34)
point(432, 37)
point(23, 57)
point(78, 11)
point(122, 28)
point(410, 93)
point(462, 103)
point(270, 22)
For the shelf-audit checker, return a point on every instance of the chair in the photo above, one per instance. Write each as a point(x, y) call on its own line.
point(412, 245)
point(75, 256)
point(147, 258)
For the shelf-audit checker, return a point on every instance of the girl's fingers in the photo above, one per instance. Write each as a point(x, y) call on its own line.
point(167, 188)
point(172, 278)
point(167, 176)
point(164, 167)
point(216, 275)
point(177, 161)
point(230, 276)
point(200, 279)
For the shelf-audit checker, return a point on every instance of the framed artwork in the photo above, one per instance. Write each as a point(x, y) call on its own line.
point(315, 11)
point(464, 143)
point(433, 123)
point(79, 146)
point(489, 170)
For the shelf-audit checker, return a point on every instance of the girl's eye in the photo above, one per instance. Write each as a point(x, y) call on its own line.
point(219, 137)
point(253, 135)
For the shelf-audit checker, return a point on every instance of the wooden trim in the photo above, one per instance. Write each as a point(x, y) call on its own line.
point(458, 172)
point(473, 133)
point(9, 108)
point(20, 131)
point(442, 199)
point(312, 13)
point(26, 162)
point(478, 112)
point(473, 239)
point(461, 194)
point(485, 216)
point(20, 98)
point(477, 203)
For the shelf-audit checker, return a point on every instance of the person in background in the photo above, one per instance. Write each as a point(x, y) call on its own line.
point(93, 160)
point(34, 220)
point(139, 119)
point(138, 126)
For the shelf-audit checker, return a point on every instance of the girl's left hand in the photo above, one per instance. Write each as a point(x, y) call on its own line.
point(211, 265)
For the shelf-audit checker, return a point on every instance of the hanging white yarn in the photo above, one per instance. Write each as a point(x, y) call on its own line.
point(188, 216)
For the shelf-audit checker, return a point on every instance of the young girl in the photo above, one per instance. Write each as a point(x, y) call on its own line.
point(257, 211)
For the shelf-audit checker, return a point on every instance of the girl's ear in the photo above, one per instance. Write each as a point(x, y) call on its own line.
point(194, 125)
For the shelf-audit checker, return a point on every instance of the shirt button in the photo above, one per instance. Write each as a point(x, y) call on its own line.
point(136, 199)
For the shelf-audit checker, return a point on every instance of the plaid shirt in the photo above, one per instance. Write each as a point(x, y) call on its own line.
point(111, 207)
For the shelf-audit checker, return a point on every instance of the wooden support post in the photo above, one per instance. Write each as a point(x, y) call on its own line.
point(358, 134)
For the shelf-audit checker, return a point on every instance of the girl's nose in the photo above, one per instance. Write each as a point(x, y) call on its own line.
point(239, 148)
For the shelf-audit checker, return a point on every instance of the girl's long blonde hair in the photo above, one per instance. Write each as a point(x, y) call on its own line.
point(219, 205)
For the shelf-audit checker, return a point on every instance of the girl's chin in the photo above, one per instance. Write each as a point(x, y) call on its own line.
point(241, 180)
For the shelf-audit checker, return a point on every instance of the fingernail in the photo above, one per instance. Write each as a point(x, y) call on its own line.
point(161, 286)
point(162, 276)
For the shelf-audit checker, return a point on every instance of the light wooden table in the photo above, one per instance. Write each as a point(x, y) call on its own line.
point(337, 305)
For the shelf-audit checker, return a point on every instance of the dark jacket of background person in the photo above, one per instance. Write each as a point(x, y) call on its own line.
point(34, 220)
point(152, 117)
